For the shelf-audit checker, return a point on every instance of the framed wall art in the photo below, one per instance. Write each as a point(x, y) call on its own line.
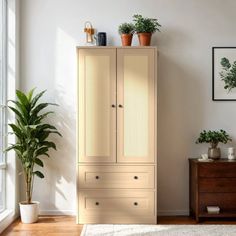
point(224, 73)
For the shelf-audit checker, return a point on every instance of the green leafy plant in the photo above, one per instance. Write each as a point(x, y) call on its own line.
point(213, 137)
point(228, 75)
point(126, 28)
point(145, 24)
point(32, 135)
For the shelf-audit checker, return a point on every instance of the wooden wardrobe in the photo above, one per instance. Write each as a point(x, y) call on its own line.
point(116, 135)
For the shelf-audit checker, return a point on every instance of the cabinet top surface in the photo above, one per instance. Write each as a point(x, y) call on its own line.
point(221, 160)
point(109, 47)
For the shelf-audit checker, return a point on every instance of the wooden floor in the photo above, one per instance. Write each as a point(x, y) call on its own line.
point(65, 225)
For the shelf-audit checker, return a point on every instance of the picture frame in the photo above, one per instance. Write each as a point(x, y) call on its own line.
point(224, 73)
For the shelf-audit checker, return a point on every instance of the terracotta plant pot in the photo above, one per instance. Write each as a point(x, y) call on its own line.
point(144, 39)
point(126, 39)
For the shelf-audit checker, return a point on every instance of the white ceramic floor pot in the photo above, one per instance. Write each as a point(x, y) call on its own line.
point(29, 212)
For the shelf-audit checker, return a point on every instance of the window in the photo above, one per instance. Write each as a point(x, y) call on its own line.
point(3, 93)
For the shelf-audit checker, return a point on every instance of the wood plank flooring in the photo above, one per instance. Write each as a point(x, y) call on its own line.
point(46, 226)
point(66, 226)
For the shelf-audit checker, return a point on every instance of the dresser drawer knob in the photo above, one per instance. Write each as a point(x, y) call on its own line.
point(96, 203)
point(135, 177)
point(135, 203)
point(96, 177)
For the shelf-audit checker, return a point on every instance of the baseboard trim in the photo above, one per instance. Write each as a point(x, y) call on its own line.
point(57, 212)
point(173, 213)
point(72, 213)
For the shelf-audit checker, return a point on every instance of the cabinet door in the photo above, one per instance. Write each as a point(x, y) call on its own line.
point(136, 107)
point(97, 105)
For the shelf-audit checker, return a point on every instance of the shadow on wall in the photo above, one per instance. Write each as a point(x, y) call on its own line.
point(60, 169)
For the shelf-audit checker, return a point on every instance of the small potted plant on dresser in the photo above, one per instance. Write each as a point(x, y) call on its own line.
point(214, 138)
point(31, 144)
point(145, 27)
point(126, 30)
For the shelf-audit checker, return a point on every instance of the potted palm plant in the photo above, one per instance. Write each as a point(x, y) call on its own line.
point(213, 138)
point(126, 30)
point(31, 145)
point(145, 27)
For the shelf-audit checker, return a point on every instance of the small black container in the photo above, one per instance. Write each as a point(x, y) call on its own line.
point(102, 39)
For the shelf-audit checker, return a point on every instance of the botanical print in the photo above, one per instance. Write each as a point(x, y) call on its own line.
point(228, 74)
point(224, 73)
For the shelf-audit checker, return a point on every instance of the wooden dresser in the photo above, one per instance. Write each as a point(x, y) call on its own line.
point(212, 184)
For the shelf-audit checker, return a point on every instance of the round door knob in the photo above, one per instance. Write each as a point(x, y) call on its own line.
point(96, 203)
point(135, 177)
point(113, 105)
point(97, 177)
point(135, 203)
point(120, 105)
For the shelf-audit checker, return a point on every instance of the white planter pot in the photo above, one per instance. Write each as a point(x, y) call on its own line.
point(29, 212)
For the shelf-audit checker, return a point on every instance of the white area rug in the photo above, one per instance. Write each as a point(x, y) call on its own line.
point(158, 230)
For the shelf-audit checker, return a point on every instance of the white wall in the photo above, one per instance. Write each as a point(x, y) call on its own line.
point(50, 30)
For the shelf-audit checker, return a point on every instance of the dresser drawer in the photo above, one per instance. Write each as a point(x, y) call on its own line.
point(105, 206)
point(101, 176)
point(217, 185)
point(219, 169)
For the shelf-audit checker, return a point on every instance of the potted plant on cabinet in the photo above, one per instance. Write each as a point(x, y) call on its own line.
point(214, 137)
point(32, 143)
point(145, 27)
point(126, 30)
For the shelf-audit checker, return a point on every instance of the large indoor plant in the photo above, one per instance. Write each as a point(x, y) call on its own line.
point(213, 138)
point(126, 31)
point(145, 27)
point(31, 144)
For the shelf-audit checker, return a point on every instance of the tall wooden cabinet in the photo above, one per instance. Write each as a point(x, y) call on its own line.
point(116, 135)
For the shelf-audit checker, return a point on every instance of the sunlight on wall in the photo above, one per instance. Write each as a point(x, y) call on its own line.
point(65, 96)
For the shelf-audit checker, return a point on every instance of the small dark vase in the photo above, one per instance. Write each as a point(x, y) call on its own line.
point(102, 39)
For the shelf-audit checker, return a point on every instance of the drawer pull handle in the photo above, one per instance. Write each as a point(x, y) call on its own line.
point(96, 203)
point(135, 177)
point(135, 203)
point(97, 177)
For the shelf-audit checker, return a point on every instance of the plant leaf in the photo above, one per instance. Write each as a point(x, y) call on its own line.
point(39, 162)
point(39, 174)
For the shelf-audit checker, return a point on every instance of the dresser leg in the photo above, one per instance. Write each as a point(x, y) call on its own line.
point(197, 219)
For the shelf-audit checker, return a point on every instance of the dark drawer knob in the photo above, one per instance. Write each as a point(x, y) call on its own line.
point(96, 177)
point(113, 105)
point(135, 177)
point(120, 106)
point(135, 203)
point(96, 203)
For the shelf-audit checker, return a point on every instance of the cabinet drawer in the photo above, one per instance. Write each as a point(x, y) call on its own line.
point(116, 176)
point(220, 185)
point(105, 206)
point(219, 169)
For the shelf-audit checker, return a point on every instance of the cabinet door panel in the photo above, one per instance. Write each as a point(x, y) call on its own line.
point(136, 105)
point(97, 117)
